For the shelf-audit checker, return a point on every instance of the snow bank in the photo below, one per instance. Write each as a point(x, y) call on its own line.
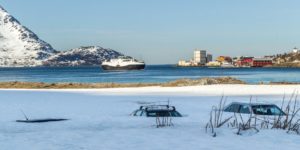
point(206, 90)
point(100, 119)
point(202, 90)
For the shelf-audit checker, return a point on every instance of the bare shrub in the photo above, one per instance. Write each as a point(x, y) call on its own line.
point(289, 121)
point(163, 122)
point(242, 126)
point(215, 120)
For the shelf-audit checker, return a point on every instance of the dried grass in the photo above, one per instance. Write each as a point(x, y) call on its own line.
point(290, 122)
point(215, 120)
point(163, 122)
point(176, 83)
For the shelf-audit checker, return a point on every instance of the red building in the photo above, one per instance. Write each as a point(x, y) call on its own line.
point(244, 61)
point(261, 62)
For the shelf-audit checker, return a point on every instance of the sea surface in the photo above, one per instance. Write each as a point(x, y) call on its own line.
point(152, 73)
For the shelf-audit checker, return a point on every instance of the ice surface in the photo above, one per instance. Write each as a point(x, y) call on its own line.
point(100, 120)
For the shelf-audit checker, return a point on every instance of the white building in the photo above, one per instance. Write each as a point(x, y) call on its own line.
point(184, 63)
point(200, 57)
point(296, 50)
point(213, 64)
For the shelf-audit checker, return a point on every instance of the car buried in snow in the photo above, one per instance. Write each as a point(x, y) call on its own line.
point(254, 108)
point(157, 111)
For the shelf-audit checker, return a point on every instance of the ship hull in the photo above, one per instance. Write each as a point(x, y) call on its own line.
point(127, 67)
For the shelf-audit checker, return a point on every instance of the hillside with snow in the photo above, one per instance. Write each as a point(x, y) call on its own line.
point(83, 56)
point(20, 47)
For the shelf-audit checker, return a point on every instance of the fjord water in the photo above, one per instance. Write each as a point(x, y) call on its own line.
point(152, 73)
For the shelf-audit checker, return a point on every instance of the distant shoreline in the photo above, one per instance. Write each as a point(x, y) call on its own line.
point(274, 66)
point(103, 85)
point(286, 65)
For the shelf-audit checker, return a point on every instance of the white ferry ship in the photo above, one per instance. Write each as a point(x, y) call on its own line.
point(123, 63)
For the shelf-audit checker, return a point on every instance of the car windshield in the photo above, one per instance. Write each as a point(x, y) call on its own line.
point(267, 110)
point(237, 108)
point(138, 113)
point(233, 108)
point(163, 114)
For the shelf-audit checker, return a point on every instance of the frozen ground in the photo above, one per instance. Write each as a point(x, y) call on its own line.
point(100, 120)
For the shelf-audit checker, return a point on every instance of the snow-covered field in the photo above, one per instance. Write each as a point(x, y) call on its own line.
point(100, 119)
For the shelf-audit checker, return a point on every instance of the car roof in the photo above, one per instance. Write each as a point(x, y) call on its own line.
point(250, 104)
point(158, 108)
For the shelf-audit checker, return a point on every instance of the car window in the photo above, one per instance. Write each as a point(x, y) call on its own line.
point(277, 111)
point(164, 114)
point(244, 109)
point(260, 110)
point(151, 114)
point(267, 110)
point(138, 113)
point(143, 113)
point(232, 108)
point(134, 113)
point(175, 114)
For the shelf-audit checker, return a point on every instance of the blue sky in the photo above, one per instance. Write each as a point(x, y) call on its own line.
point(164, 31)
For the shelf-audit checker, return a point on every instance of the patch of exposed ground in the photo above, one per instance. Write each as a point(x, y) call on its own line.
point(176, 83)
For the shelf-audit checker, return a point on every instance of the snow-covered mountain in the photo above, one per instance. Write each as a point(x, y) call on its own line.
point(83, 56)
point(18, 45)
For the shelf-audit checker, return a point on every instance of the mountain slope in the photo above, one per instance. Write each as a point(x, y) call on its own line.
point(18, 45)
point(83, 56)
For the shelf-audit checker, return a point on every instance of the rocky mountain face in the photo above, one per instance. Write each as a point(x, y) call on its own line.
point(20, 47)
point(83, 56)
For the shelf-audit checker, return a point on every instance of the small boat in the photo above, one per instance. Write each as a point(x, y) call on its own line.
point(123, 63)
point(41, 120)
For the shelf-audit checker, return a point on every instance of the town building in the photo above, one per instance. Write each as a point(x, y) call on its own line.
point(184, 63)
point(224, 59)
point(209, 58)
point(200, 57)
point(213, 64)
point(244, 62)
point(203, 58)
point(261, 62)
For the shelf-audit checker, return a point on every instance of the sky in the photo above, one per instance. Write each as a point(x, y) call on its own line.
point(164, 31)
